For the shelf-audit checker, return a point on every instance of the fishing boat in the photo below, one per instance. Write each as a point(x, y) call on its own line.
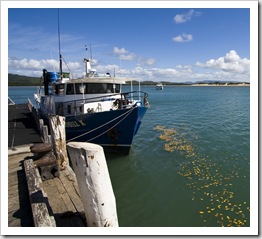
point(95, 108)
point(159, 86)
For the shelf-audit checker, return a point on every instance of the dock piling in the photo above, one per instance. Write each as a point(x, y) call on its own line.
point(58, 137)
point(94, 182)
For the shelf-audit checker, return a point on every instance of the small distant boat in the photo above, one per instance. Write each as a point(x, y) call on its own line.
point(159, 86)
point(10, 101)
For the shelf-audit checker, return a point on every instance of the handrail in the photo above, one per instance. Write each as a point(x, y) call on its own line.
point(10, 101)
point(122, 100)
point(107, 97)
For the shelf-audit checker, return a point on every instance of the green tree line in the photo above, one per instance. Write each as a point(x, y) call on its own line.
point(18, 80)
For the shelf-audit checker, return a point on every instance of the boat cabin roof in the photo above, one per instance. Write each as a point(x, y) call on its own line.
point(111, 80)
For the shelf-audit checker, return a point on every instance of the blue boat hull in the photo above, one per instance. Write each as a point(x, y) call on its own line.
point(114, 130)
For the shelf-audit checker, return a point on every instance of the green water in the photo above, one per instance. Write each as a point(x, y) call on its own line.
point(190, 161)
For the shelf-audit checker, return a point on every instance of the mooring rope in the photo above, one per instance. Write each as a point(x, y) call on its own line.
point(13, 138)
point(129, 112)
point(125, 113)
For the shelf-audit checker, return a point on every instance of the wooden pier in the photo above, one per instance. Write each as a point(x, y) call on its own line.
point(60, 195)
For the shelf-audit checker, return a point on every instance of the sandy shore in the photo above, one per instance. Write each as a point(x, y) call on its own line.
point(244, 84)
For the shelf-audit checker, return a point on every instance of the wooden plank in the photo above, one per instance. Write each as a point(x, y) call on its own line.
point(64, 196)
point(53, 192)
point(13, 204)
point(14, 223)
point(13, 191)
point(41, 215)
point(71, 186)
point(45, 133)
point(68, 212)
point(39, 208)
point(19, 210)
point(15, 161)
point(16, 177)
point(40, 126)
point(64, 209)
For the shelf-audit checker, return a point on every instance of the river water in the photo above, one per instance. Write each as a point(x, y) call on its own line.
point(189, 165)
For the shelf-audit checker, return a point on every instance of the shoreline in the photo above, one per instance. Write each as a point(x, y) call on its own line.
point(241, 84)
point(244, 84)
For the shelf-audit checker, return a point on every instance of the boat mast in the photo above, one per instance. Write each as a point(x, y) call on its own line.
point(60, 55)
point(88, 65)
point(90, 54)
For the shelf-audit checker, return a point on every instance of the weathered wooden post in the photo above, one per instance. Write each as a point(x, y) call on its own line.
point(58, 137)
point(39, 208)
point(94, 183)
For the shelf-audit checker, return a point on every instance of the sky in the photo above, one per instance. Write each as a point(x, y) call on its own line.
point(155, 44)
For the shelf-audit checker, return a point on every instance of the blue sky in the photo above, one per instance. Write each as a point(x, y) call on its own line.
point(159, 44)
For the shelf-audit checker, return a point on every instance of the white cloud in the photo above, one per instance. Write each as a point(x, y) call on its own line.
point(32, 67)
point(31, 64)
point(119, 51)
point(183, 38)
point(232, 56)
point(150, 61)
point(128, 57)
point(125, 55)
point(231, 62)
point(230, 67)
point(184, 68)
point(181, 18)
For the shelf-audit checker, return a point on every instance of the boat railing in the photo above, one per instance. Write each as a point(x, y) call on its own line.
point(10, 101)
point(120, 101)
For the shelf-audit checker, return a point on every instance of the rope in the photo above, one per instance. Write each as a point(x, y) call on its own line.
point(13, 139)
point(129, 112)
point(125, 113)
point(67, 65)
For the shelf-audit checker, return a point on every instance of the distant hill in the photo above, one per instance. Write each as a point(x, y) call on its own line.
point(154, 83)
point(18, 80)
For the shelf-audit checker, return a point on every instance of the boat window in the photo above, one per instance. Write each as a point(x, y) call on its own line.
point(80, 88)
point(70, 89)
point(117, 90)
point(96, 88)
point(59, 89)
point(109, 88)
point(93, 88)
point(113, 88)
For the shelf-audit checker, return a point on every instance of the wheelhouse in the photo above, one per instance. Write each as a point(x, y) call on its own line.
point(86, 88)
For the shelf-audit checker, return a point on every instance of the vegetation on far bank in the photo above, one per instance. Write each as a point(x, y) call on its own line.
point(18, 80)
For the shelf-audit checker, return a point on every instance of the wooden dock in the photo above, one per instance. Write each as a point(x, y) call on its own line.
point(19, 208)
point(60, 195)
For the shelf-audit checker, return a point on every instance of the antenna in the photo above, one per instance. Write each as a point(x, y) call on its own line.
point(52, 59)
point(60, 55)
point(90, 53)
point(86, 52)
